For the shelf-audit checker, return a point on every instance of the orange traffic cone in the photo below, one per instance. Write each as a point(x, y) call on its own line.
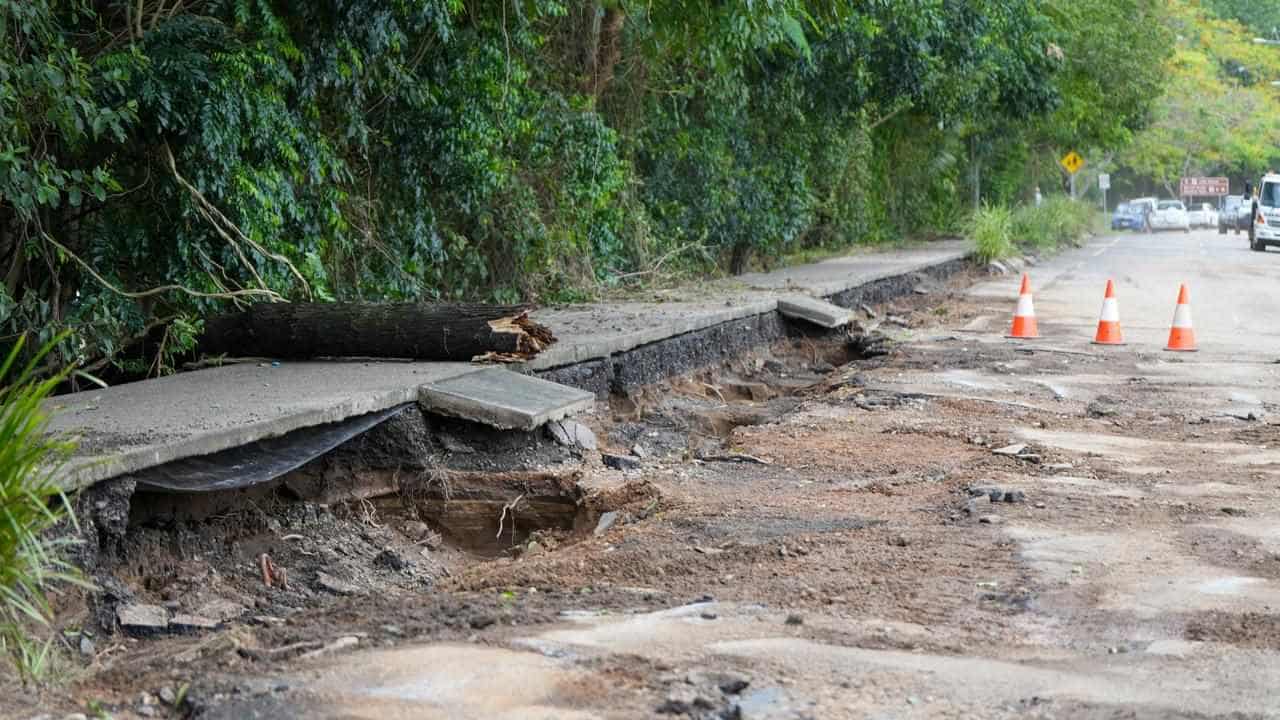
point(1109, 319)
point(1182, 337)
point(1024, 317)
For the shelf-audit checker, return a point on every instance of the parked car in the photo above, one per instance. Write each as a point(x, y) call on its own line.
point(1128, 217)
point(1234, 215)
point(1144, 207)
point(1264, 229)
point(1171, 215)
point(1202, 215)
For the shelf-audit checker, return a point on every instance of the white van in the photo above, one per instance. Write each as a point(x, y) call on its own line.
point(1265, 227)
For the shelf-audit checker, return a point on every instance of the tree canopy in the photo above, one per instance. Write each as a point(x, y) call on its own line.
point(161, 161)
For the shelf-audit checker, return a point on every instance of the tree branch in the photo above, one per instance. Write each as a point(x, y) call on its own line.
point(221, 224)
point(253, 292)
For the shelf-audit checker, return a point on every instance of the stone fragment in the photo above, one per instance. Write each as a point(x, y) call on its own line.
point(329, 583)
point(142, 620)
point(620, 462)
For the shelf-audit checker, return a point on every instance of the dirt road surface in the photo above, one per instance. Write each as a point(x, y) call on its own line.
point(967, 527)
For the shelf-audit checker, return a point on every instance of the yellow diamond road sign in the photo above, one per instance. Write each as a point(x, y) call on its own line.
point(1072, 162)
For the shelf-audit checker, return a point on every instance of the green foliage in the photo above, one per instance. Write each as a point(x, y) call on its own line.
point(1217, 116)
point(998, 231)
point(991, 231)
point(1262, 16)
point(1055, 224)
point(31, 504)
point(161, 164)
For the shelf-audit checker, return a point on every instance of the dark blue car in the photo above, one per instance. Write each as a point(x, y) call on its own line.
point(1128, 217)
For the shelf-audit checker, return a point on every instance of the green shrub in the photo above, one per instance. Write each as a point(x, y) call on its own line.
point(31, 504)
point(991, 230)
point(1055, 224)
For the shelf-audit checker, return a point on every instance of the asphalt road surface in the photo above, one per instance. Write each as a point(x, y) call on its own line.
point(1235, 292)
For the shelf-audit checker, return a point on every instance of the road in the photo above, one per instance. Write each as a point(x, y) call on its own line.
point(1129, 566)
point(1232, 289)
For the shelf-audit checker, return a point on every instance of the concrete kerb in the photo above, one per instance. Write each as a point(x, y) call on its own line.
point(626, 362)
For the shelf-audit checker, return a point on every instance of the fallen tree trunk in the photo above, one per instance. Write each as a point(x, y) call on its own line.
point(460, 332)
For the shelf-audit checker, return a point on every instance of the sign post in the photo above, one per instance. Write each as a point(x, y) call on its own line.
point(1072, 162)
point(1104, 184)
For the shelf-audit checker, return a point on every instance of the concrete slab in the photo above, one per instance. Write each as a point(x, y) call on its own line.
point(127, 428)
point(836, 275)
point(594, 332)
point(504, 399)
point(818, 312)
point(591, 332)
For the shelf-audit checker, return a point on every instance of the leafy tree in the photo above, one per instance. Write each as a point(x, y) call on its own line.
point(1216, 117)
point(162, 162)
point(1262, 16)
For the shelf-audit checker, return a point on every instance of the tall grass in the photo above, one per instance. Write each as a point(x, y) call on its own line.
point(998, 232)
point(1057, 223)
point(31, 504)
point(991, 230)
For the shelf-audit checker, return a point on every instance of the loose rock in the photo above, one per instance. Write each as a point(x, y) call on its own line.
point(188, 623)
point(991, 519)
point(620, 462)
point(416, 529)
point(1096, 409)
point(733, 683)
point(221, 610)
point(573, 434)
point(606, 521)
point(329, 583)
point(684, 701)
point(142, 620)
point(391, 560)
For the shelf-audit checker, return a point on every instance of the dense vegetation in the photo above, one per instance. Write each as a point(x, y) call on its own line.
point(164, 159)
point(1217, 115)
point(31, 505)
